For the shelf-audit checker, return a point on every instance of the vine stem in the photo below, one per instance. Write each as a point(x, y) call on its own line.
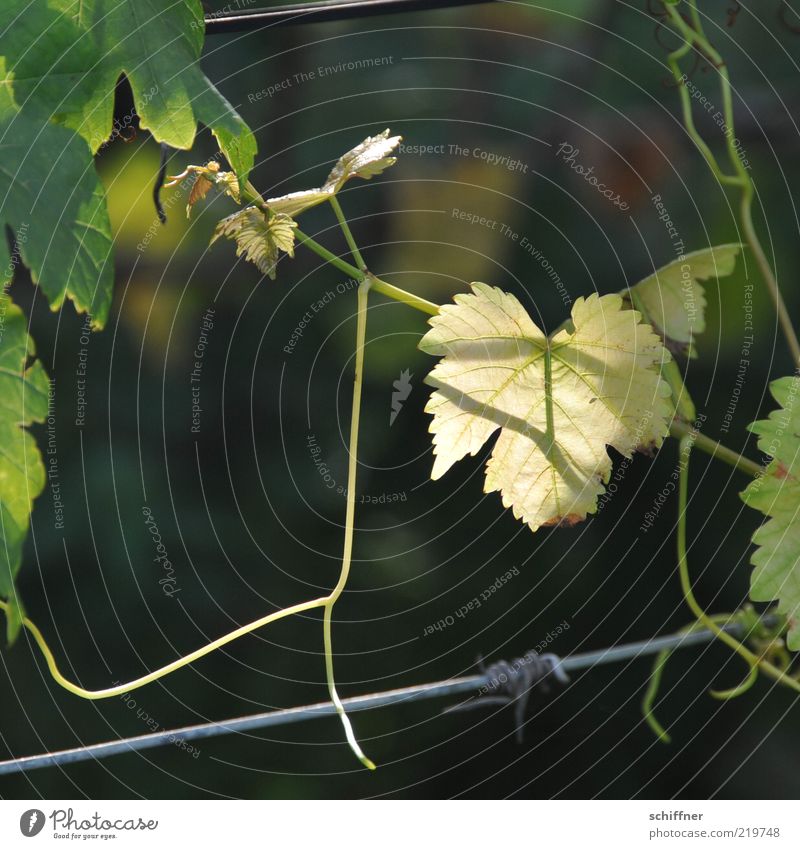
point(326, 602)
point(122, 689)
point(681, 430)
point(252, 194)
point(695, 37)
point(752, 659)
point(376, 284)
point(347, 555)
point(351, 242)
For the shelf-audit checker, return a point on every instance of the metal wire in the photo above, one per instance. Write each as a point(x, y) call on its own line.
point(472, 683)
point(324, 11)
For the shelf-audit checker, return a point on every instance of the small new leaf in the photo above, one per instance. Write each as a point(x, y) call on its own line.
point(23, 401)
point(364, 160)
point(206, 176)
point(776, 494)
point(558, 402)
point(672, 299)
point(296, 202)
point(260, 237)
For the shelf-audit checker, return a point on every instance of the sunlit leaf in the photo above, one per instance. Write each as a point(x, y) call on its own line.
point(672, 298)
point(260, 237)
point(23, 401)
point(296, 202)
point(54, 204)
point(776, 494)
point(367, 159)
point(66, 57)
point(558, 402)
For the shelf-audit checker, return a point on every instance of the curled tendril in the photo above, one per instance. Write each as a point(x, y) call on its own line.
point(745, 617)
point(649, 699)
point(733, 13)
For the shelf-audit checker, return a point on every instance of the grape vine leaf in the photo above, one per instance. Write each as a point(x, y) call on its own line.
point(66, 57)
point(24, 391)
point(366, 160)
point(259, 236)
point(66, 245)
point(776, 494)
point(558, 402)
point(672, 299)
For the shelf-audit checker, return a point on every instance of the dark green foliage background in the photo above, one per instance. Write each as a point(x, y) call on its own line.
point(241, 507)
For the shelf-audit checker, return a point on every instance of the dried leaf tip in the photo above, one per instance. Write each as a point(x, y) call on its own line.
point(206, 176)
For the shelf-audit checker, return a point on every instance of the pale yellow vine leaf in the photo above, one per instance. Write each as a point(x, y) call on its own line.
point(365, 160)
point(558, 402)
point(296, 202)
point(259, 236)
point(673, 299)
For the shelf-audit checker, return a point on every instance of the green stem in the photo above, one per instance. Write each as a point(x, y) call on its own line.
point(746, 214)
point(252, 195)
point(684, 406)
point(351, 242)
point(681, 430)
point(329, 256)
point(326, 602)
point(404, 297)
point(649, 698)
point(121, 689)
point(695, 37)
point(376, 284)
point(349, 529)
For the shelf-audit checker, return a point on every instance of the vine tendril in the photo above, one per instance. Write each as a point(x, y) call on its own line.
point(694, 37)
point(752, 659)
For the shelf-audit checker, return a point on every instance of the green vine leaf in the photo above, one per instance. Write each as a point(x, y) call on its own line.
point(259, 236)
point(672, 299)
point(558, 402)
point(23, 401)
point(776, 494)
point(66, 57)
point(66, 245)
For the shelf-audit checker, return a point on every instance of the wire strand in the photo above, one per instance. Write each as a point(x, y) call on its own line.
point(322, 12)
point(239, 725)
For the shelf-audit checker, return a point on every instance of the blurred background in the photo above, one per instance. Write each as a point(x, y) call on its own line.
point(247, 492)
